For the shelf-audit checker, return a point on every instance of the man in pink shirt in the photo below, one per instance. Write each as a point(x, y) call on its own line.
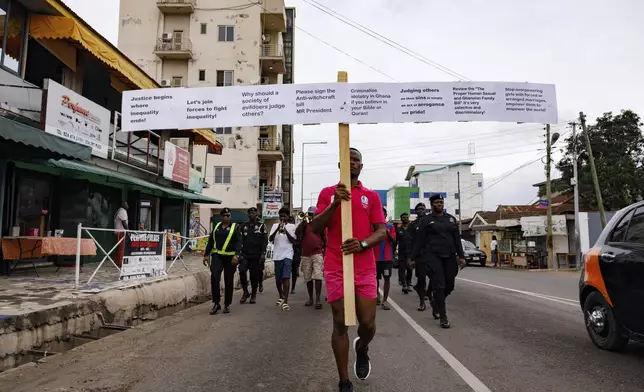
point(368, 230)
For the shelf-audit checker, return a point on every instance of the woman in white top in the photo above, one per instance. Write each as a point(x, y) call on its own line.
point(282, 236)
point(494, 249)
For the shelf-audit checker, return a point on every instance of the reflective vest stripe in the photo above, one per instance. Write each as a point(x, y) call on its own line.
point(223, 249)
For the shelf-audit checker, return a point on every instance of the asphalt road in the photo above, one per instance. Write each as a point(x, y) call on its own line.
point(512, 331)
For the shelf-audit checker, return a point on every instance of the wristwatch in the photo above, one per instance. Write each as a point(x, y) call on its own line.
point(364, 245)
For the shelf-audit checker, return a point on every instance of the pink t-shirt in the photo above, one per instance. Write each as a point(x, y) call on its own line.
point(366, 211)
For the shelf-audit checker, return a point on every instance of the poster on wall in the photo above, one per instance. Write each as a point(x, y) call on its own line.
point(211, 107)
point(271, 204)
point(536, 226)
point(176, 164)
point(71, 116)
point(196, 181)
point(143, 255)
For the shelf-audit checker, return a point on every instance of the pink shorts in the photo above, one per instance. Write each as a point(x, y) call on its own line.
point(365, 284)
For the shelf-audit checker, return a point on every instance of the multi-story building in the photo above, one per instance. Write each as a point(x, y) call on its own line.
point(63, 158)
point(427, 179)
point(205, 43)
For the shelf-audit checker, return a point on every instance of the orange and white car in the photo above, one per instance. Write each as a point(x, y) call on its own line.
point(611, 286)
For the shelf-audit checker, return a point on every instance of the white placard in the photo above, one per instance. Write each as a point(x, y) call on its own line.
point(153, 109)
point(75, 118)
point(212, 107)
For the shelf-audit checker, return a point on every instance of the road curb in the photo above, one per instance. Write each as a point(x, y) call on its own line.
point(126, 306)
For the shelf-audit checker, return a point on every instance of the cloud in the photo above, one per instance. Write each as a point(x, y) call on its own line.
point(594, 65)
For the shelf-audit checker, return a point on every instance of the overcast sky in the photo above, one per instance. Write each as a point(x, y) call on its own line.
point(590, 49)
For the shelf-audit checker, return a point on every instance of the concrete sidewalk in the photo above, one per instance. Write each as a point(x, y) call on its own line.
point(36, 310)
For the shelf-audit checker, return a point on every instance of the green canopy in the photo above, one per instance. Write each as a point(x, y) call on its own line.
point(84, 167)
point(21, 141)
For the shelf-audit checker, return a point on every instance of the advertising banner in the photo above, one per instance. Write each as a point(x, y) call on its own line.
point(271, 204)
point(75, 118)
point(536, 226)
point(196, 181)
point(143, 255)
point(176, 164)
point(211, 107)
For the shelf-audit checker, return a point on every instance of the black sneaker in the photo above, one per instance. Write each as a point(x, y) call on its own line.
point(253, 299)
point(345, 386)
point(445, 323)
point(244, 298)
point(362, 365)
point(261, 287)
point(226, 309)
point(215, 309)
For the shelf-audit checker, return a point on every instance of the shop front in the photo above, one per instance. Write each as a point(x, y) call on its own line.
point(50, 198)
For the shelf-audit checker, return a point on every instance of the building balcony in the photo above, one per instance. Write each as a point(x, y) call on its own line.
point(177, 6)
point(272, 59)
point(274, 14)
point(270, 149)
point(174, 49)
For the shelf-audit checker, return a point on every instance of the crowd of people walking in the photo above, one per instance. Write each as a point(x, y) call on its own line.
point(429, 247)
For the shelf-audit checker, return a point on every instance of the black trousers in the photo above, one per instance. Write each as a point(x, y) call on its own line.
point(404, 273)
point(219, 264)
point(250, 266)
point(442, 271)
point(295, 268)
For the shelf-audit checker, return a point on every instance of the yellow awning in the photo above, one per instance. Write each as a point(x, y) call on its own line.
point(207, 137)
point(63, 27)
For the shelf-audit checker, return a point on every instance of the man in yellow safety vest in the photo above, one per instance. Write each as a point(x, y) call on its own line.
point(222, 250)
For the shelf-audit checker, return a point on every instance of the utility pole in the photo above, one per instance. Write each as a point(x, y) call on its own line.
point(575, 183)
point(593, 171)
point(458, 179)
point(551, 260)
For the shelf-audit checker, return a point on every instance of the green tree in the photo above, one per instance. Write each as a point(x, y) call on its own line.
point(618, 149)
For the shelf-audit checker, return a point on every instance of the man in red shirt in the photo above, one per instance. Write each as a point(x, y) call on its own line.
point(368, 224)
point(384, 253)
point(313, 246)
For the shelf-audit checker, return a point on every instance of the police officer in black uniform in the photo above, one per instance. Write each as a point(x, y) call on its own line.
point(253, 254)
point(414, 228)
point(402, 236)
point(435, 249)
point(223, 250)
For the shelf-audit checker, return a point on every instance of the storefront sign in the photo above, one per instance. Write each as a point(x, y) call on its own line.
point(176, 164)
point(271, 204)
point(143, 255)
point(196, 181)
point(211, 107)
point(536, 226)
point(73, 117)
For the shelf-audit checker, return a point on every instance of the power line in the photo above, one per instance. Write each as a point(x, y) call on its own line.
point(506, 176)
point(331, 45)
point(385, 40)
point(347, 54)
point(433, 142)
point(384, 166)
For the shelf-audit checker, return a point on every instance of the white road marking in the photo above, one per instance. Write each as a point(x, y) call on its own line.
point(458, 367)
point(560, 300)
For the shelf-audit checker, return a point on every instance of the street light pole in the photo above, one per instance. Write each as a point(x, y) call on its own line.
point(302, 181)
point(551, 260)
point(550, 140)
point(575, 183)
point(458, 179)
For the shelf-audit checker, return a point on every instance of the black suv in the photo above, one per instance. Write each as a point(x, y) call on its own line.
point(473, 254)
